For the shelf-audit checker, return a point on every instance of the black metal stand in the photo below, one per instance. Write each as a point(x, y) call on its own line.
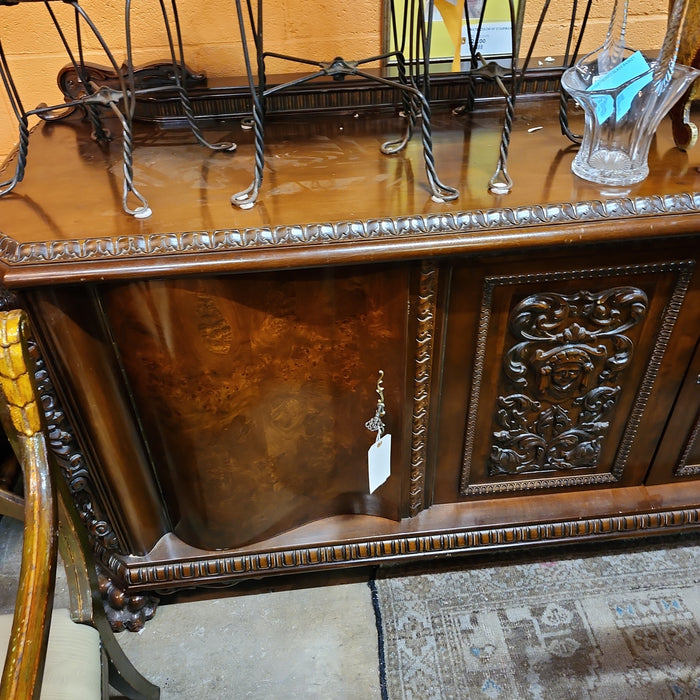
point(412, 83)
point(411, 34)
point(178, 75)
point(501, 182)
point(90, 99)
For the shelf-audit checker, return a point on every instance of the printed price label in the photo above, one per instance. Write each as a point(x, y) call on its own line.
point(379, 461)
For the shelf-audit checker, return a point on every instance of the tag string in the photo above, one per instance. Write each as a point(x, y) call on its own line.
point(376, 424)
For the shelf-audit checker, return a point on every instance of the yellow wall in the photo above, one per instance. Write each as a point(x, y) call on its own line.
point(645, 28)
point(319, 29)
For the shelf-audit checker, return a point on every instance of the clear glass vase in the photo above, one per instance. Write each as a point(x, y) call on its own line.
point(620, 121)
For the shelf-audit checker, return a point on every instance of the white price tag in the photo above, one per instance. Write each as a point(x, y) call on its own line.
point(379, 461)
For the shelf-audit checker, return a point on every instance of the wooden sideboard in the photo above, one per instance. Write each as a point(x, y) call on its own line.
point(208, 372)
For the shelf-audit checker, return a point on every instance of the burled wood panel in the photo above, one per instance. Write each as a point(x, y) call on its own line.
point(253, 393)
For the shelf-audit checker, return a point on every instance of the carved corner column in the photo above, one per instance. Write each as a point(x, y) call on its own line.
point(123, 611)
point(425, 344)
point(99, 446)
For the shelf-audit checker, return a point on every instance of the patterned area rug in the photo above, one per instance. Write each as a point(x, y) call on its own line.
point(620, 626)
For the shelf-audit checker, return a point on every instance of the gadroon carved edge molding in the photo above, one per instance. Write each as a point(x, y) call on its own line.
point(163, 244)
point(222, 567)
point(64, 446)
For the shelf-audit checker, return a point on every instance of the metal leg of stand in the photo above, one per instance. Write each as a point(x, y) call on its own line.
point(177, 60)
point(569, 57)
point(247, 198)
point(20, 115)
point(422, 36)
point(409, 110)
point(405, 77)
point(90, 102)
point(142, 210)
point(500, 182)
point(415, 101)
point(569, 61)
point(99, 133)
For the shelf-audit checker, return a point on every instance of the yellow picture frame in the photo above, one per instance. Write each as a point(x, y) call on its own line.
point(449, 44)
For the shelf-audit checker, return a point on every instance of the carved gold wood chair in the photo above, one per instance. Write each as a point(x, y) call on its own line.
point(74, 649)
point(685, 132)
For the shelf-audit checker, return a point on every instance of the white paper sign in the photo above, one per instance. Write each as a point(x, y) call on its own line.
point(379, 462)
point(495, 39)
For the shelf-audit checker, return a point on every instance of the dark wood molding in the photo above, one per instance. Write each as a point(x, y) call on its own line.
point(685, 467)
point(427, 230)
point(63, 445)
point(426, 315)
point(224, 567)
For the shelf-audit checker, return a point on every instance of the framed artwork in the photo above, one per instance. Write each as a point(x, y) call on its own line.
point(450, 46)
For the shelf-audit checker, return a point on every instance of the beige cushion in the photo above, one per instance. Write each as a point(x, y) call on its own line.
point(73, 668)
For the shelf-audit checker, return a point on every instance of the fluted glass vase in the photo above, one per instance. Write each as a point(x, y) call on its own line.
point(621, 121)
point(624, 98)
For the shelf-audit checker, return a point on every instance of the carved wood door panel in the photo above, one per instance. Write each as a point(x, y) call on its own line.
point(549, 373)
point(678, 456)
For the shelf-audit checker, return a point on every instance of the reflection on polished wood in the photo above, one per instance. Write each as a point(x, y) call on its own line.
point(331, 198)
point(238, 382)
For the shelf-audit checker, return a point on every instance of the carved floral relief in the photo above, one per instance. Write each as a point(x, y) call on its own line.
point(563, 368)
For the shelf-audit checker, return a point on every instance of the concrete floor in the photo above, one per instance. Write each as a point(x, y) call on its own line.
point(308, 643)
point(312, 642)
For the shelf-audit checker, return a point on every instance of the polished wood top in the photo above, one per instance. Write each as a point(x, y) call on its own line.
point(328, 197)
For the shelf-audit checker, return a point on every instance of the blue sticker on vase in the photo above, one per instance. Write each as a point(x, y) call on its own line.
point(635, 71)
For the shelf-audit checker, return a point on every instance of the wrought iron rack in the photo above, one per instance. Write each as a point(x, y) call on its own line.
point(127, 92)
